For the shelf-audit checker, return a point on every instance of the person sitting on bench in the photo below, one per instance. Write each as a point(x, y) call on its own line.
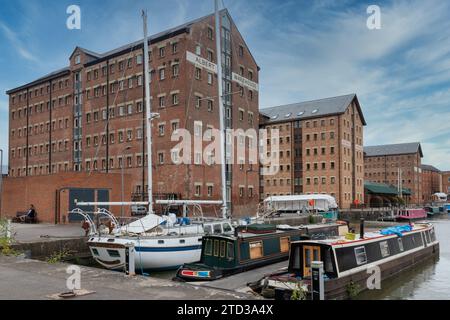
point(30, 216)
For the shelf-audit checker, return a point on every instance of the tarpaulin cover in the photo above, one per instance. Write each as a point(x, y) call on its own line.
point(398, 230)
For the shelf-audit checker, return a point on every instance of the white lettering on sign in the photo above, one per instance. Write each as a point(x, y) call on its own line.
point(346, 143)
point(201, 62)
point(245, 82)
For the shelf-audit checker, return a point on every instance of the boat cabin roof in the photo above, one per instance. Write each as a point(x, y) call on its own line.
point(246, 235)
point(342, 240)
point(281, 229)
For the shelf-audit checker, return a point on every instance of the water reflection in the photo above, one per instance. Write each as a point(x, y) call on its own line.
point(427, 281)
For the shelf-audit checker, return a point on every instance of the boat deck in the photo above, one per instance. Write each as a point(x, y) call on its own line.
point(238, 282)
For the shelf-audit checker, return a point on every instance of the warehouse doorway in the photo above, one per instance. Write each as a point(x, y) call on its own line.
point(77, 195)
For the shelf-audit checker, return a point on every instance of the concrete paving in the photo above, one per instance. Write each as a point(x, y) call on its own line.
point(25, 233)
point(238, 282)
point(24, 279)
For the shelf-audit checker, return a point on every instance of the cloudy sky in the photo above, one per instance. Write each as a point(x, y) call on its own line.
point(307, 49)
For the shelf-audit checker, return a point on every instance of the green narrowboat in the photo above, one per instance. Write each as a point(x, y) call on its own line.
point(431, 211)
point(250, 247)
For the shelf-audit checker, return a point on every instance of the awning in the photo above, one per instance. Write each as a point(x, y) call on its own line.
point(382, 188)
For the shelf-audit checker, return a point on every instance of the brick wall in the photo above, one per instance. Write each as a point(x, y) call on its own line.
point(446, 182)
point(20, 192)
point(50, 144)
point(384, 169)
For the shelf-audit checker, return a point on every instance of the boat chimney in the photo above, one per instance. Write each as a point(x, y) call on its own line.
point(361, 229)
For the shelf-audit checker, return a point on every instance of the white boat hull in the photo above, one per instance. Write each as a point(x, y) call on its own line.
point(165, 253)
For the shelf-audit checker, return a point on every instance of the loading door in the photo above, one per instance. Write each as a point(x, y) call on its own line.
point(80, 195)
point(103, 196)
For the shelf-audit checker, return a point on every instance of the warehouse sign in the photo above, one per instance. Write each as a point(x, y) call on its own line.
point(245, 82)
point(201, 62)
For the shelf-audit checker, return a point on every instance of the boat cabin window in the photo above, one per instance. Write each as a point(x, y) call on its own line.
point(114, 253)
point(227, 227)
point(256, 250)
point(432, 235)
point(208, 229)
point(95, 251)
point(400, 244)
point(328, 261)
point(427, 236)
point(230, 251)
point(296, 261)
point(361, 256)
point(217, 229)
point(384, 247)
point(216, 248)
point(208, 247)
point(222, 249)
point(284, 244)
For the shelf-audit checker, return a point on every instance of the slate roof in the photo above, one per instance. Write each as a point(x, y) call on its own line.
point(52, 75)
point(98, 57)
point(428, 167)
point(311, 109)
point(393, 149)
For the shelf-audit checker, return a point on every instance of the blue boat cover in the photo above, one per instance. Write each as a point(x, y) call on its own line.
point(398, 230)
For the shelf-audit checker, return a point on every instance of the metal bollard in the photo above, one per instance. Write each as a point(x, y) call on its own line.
point(130, 251)
point(8, 230)
point(317, 282)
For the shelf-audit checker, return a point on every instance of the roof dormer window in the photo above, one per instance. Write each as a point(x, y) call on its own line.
point(77, 59)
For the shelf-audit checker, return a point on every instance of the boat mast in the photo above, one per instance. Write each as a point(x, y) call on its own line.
point(149, 116)
point(221, 109)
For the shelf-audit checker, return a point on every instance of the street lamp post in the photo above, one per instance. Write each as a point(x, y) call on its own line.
point(122, 184)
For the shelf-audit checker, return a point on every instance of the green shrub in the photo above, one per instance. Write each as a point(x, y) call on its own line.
point(5, 242)
point(299, 293)
point(352, 290)
point(58, 256)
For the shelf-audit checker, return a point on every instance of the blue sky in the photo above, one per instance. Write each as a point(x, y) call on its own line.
point(306, 49)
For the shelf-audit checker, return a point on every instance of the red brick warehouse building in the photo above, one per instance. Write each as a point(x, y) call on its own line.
point(320, 149)
point(90, 116)
point(382, 164)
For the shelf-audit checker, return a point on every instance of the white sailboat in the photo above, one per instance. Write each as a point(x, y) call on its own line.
point(160, 242)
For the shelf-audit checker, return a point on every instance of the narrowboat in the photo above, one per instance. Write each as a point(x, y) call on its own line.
point(250, 247)
point(410, 214)
point(446, 208)
point(349, 264)
point(432, 211)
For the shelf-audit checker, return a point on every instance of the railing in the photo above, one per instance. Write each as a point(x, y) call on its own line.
point(122, 225)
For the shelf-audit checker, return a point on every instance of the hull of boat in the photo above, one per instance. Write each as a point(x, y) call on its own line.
point(201, 272)
point(339, 288)
point(167, 253)
point(406, 218)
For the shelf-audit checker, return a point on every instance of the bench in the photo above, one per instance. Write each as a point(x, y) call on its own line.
point(27, 220)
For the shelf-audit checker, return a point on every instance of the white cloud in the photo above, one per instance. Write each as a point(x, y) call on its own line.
point(401, 73)
point(15, 41)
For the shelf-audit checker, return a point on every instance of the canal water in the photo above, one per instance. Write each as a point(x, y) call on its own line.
point(427, 281)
